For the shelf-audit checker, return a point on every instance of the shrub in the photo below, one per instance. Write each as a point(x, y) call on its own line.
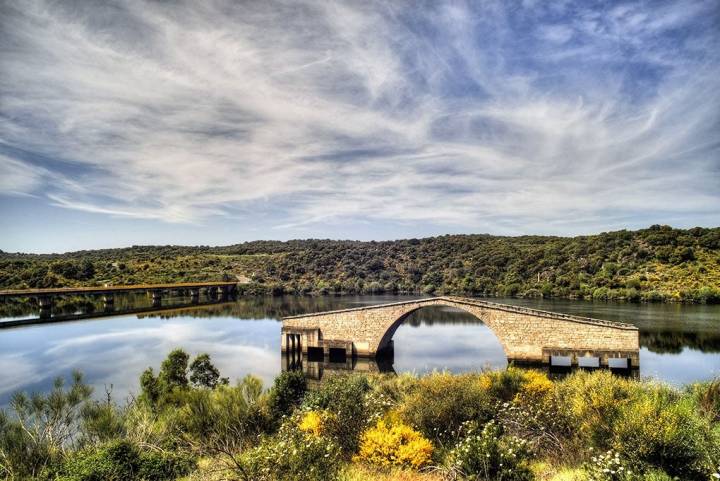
point(394, 445)
point(291, 455)
point(536, 387)
point(44, 427)
point(539, 423)
point(504, 384)
point(344, 397)
point(222, 420)
point(442, 402)
point(593, 401)
point(707, 395)
point(101, 422)
point(662, 430)
point(287, 393)
point(486, 455)
point(121, 461)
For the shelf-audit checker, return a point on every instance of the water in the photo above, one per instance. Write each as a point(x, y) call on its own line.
point(679, 343)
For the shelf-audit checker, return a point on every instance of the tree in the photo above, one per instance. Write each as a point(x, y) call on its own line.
point(204, 374)
point(149, 386)
point(173, 370)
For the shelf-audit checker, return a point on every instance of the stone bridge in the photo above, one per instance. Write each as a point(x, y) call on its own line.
point(526, 335)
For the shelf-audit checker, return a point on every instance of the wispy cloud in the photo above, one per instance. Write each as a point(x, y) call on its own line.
point(549, 117)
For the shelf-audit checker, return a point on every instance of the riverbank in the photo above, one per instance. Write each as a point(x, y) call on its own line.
point(187, 422)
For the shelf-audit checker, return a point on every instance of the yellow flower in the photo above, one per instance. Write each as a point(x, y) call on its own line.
point(396, 445)
point(536, 385)
point(312, 423)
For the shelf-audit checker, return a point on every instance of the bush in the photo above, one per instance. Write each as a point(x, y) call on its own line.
point(486, 455)
point(707, 396)
point(505, 384)
point(442, 402)
point(287, 393)
point(593, 401)
point(101, 422)
point(536, 386)
point(123, 461)
point(222, 420)
point(172, 383)
point(291, 455)
point(43, 427)
point(344, 397)
point(662, 430)
point(394, 445)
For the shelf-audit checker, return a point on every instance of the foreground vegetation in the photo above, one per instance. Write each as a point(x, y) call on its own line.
point(655, 264)
point(515, 425)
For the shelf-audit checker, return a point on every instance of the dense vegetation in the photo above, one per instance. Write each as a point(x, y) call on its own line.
point(654, 264)
point(514, 425)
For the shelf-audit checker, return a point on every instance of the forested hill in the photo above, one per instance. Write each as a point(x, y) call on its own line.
point(658, 263)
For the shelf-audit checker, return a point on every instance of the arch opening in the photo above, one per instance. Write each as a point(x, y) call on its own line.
point(442, 337)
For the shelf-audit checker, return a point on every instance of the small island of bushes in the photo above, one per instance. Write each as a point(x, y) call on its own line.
point(189, 423)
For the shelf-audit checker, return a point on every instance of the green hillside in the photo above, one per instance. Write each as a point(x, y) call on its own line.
point(655, 264)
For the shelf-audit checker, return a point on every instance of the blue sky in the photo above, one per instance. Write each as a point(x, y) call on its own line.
point(137, 122)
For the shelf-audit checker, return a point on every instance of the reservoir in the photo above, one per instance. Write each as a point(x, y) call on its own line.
point(680, 343)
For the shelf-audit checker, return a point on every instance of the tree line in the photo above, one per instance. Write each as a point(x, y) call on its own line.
point(659, 263)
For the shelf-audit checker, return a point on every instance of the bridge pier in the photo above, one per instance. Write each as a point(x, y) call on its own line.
point(621, 359)
point(222, 293)
point(211, 293)
point(156, 297)
point(108, 302)
point(46, 305)
point(194, 295)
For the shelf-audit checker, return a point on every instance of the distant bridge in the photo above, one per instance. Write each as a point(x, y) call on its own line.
point(526, 335)
point(45, 297)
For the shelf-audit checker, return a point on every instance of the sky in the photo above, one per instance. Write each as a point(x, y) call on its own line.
point(151, 122)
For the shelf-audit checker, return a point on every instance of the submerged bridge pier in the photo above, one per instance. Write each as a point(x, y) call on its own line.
point(526, 335)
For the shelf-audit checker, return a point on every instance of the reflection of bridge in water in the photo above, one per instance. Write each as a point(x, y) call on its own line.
point(336, 338)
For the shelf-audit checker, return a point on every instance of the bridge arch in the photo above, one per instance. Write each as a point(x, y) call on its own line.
point(393, 325)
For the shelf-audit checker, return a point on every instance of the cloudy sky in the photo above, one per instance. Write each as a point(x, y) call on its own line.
point(135, 122)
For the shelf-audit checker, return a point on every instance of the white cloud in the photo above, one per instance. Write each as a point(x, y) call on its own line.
point(352, 111)
point(18, 177)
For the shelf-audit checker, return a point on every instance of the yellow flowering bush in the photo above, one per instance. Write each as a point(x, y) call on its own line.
point(537, 385)
point(314, 422)
point(394, 445)
point(485, 382)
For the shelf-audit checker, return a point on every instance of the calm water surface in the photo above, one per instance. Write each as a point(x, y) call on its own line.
point(679, 343)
